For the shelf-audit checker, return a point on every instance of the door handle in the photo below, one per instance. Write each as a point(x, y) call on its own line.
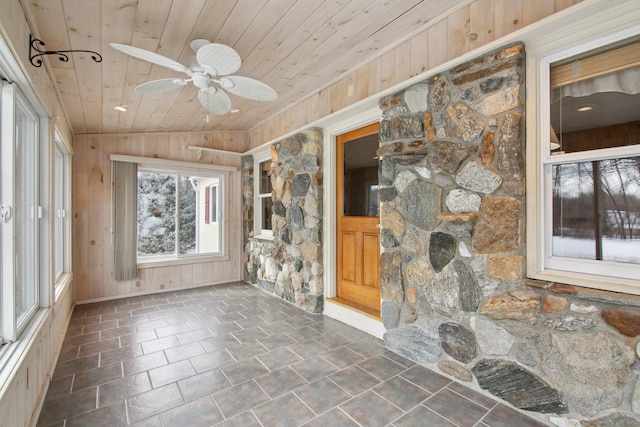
point(379, 226)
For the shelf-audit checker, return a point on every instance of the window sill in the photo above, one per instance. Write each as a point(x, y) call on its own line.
point(62, 283)
point(268, 237)
point(615, 293)
point(167, 262)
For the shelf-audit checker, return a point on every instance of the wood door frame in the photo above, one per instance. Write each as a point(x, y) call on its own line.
point(339, 125)
point(365, 297)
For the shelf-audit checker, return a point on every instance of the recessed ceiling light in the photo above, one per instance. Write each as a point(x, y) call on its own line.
point(122, 108)
point(235, 110)
point(587, 107)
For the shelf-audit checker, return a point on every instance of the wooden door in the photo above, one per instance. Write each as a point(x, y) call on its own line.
point(358, 239)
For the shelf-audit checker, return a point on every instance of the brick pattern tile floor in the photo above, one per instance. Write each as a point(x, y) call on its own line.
point(233, 355)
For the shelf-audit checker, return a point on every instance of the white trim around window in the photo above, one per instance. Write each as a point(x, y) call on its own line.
point(259, 157)
point(555, 47)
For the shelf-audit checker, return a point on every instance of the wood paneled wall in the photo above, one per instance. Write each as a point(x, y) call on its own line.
point(92, 254)
point(474, 25)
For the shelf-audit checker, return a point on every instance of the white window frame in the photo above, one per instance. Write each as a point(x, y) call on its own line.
point(214, 203)
point(61, 213)
point(12, 328)
point(259, 157)
point(603, 275)
point(177, 255)
point(175, 166)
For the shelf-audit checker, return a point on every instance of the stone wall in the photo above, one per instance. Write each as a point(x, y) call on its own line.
point(290, 264)
point(453, 286)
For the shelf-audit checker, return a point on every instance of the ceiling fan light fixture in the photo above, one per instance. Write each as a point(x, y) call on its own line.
point(211, 60)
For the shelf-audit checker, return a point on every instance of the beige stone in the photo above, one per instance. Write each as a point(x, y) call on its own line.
point(310, 250)
point(391, 219)
point(419, 273)
point(456, 370)
point(522, 305)
point(488, 148)
point(500, 226)
point(553, 304)
point(508, 269)
point(412, 295)
point(458, 217)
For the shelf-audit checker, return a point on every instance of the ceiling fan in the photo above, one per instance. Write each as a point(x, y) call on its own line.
point(209, 70)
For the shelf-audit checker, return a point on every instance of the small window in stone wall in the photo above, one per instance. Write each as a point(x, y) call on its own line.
point(592, 169)
point(265, 202)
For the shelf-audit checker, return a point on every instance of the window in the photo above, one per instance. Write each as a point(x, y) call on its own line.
point(211, 204)
point(175, 212)
point(263, 200)
point(61, 209)
point(590, 168)
point(21, 213)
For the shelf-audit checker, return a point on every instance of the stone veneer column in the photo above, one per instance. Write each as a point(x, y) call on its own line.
point(290, 265)
point(454, 292)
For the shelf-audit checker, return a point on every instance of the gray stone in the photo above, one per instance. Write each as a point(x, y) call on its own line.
point(416, 97)
point(570, 323)
point(443, 290)
point(387, 194)
point(462, 230)
point(413, 343)
point(416, 240)
point(300, 185)
point(297, 218)
point(613, 420)
point(442, 250)
point(403, 179)
point(469, 293)
point(492, 339)
point(457, 341)
point(390, 313)
point(598, 359)
point(391, 277)
point(635, 398)
point(462, 201)
point(386, 172)
point(526, 353)
point(279, 209)
point(509, 156)
point(447, 155)
point(388, 239)
point(476, 177)
point(421, 204)
point(518, 386)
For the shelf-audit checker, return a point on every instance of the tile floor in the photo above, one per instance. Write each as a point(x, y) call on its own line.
point(233, 355)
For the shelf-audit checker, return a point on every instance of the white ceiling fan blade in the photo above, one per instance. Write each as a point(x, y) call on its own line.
point(214, 100)
point(149, 56)
point(221, 59)
point(248, 88)
point(161, 85)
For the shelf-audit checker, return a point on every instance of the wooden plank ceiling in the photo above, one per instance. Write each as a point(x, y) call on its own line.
point(295, 46)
